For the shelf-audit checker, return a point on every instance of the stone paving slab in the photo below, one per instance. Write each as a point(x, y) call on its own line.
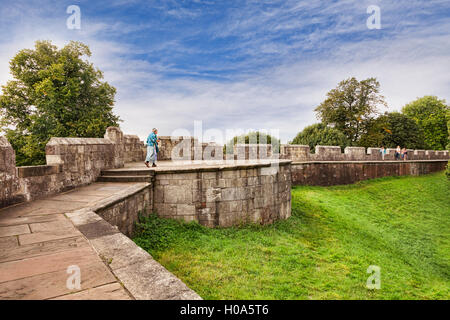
point(41, 248)
point(39, 240)
point(113, 291)
point(48, 236)
point(53, 284)
point(18, 269)
point(14, 230)
point(30, 219)
point(75, 196)
point(9, 242)
point(63, 224)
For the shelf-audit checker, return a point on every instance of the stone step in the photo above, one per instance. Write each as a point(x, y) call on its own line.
point(124, 179)
point(128, 173)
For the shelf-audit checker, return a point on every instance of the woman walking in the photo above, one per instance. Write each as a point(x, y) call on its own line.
point(383, 152)
point(152, 148)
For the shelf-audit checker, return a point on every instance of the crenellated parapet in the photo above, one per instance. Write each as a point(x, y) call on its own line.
point(301, 153)
point(73, 162)
point(8, 174)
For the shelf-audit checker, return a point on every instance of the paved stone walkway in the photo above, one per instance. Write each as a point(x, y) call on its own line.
point(38, 242)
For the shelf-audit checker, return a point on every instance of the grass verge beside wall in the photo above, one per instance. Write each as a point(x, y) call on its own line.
point(323, 251)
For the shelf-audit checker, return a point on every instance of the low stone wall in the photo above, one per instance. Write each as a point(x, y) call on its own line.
point(344, 172)
point(71, 162)
point(134, 149)
point(180, 148)
point(81, 159)
point(123, 209)
point(225, 196)
point(252, 151)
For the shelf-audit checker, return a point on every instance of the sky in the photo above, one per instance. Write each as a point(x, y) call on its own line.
point(240, 65)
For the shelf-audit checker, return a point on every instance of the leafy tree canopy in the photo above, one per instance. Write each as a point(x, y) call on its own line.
point(254, 137)
point(54, 93)
point(393, 129)
point(351, 105)
point(321, 134)
point(431, 114)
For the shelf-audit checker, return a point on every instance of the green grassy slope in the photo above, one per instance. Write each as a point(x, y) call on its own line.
point(323, 251)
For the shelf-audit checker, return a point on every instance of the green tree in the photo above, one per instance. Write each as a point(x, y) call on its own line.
point(351, 105)
point(393, 129)
point(251, 138)
point(448, 126)
point(431, 114)
point(54, 93)
point(321, 134)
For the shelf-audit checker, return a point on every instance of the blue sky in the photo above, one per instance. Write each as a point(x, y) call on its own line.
point(241, 64)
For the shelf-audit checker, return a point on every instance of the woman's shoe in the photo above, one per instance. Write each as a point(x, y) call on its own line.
point(153, 165)
point(146, 163)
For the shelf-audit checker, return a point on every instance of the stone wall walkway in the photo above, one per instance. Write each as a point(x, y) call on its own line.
point(39, 240)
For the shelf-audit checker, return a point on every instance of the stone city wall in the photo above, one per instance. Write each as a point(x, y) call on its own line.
point(73, 162)
point(225, 196)
point(329, 166)
point(343, 172)
point(333, 153)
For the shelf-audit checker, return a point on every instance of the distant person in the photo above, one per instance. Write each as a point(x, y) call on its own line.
point(398, 153)
point(383, 152)
point(152, 148)
point(404, 154)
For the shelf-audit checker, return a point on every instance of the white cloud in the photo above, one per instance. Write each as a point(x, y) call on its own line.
point(408, 59)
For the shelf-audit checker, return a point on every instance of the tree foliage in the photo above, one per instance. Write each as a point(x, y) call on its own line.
point(321, 134)
point(254, 137)
point(391, 130)
point(54, 93)
point(431, 114)
point(351, 105)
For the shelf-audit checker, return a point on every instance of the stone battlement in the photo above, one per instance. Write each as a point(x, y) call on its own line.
point(301, 153)
point(73, 162)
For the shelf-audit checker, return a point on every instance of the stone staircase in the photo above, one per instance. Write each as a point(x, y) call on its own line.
point(126, 176)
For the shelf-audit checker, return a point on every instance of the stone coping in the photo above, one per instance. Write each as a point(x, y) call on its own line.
point(35, 171)
point(119, 197)
point(135, 268)
point(205, 167)
point(368, 161)
point(77, 141)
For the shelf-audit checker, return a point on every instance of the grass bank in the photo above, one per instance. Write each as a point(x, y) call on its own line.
point(401, 224)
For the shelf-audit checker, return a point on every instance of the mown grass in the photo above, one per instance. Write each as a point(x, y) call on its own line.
point(323, 251)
